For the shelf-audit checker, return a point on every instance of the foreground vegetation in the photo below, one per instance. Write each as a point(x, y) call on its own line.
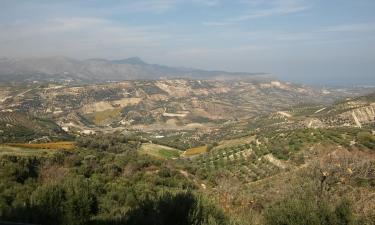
point(93, 187)
point(124, 179)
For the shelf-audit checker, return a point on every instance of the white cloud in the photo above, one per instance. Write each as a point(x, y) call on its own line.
point(265, 8)
point(78, 36)
point(74, 23)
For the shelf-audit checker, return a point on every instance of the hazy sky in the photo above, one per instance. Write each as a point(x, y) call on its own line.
point(309, 41)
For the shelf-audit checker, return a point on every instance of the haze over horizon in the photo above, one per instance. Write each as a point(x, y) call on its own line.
point(312, 42)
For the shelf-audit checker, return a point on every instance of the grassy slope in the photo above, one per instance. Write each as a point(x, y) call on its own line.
point(159, 151)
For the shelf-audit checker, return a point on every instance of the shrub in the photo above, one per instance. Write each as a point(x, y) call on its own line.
point(80, 202)
point(366, 139)
point(47, 201)
point(177, 209)
point(343, 213)
point(308, 211)
point(292, 212)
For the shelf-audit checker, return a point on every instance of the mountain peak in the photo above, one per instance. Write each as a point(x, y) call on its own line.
point(131, 60)
point(101, 69)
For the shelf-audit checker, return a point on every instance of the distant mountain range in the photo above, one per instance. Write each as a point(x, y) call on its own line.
point(103, 70)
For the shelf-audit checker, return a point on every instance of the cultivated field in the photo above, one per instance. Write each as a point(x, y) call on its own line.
point(8, 150)
point(159, 151)
point(67, 145)
point(195, 151)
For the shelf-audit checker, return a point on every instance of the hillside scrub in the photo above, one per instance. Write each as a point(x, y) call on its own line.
point(106, 179)
point(99, 187)
point(306, 210)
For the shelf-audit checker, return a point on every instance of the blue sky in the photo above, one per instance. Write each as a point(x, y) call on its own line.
point(305, 41)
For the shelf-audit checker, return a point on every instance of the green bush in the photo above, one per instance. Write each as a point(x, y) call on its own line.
point(80, 203)
point(308, 211)
point(367, 139)
point(343, 213)
point(175, 209)
point(47, 202)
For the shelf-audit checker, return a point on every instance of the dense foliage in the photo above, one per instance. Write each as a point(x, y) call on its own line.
point(110, 143)
point(96, 186)
point(106, 180)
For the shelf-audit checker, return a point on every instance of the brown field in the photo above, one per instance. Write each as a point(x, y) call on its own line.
point(195, 151)
point(67, 145)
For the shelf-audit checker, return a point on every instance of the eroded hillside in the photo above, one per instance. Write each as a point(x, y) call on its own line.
point(163, 104)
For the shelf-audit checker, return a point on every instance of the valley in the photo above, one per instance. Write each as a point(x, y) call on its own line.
point(187, 112)
point(245, 145)
point(175, 106)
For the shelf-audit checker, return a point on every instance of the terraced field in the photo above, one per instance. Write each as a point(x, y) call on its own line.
point(22, 127)
point(247, 162)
